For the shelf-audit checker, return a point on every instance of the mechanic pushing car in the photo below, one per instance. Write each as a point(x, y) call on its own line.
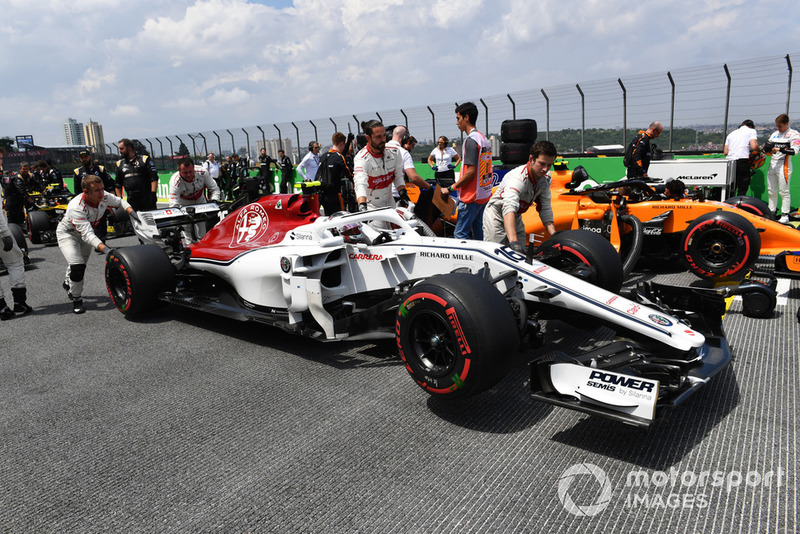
point(376, 169)
point(76, 237)
point(522, 187)
point(12, 258)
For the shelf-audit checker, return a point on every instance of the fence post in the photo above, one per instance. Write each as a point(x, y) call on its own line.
point(486, 131)
point(247, 138)
point(583, 117)
point(205, 144)
point(194, 146)
point(624, 113)
point(513, 107)
point(151, 149)
point(219, 145)
point(233, 143)
point(335, 129)
point(297, 131)
point(789, 90)
point(671, 110)
point(161, 146)
point(727, 103)
point(280, 137)
point(316, 137)
point(171, 152)
point(263, 137)
point(547, 112)
point(405, 117)
point(433, 121)
point(358, 124)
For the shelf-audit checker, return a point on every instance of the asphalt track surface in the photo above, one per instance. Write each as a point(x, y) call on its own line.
point(184, 422)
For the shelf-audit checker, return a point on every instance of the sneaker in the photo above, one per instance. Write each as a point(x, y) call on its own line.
point(22, 308)
point(6, 313)
point(77, 306)
point(784, 219)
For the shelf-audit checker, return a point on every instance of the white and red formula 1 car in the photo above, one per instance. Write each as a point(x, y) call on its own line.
point(460, 311)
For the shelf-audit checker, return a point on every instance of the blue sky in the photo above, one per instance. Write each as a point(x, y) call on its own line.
point(150, 68)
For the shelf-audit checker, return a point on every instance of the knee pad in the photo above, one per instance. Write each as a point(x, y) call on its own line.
point(77, 271)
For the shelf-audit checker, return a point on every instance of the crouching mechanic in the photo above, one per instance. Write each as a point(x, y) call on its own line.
point(188, 187)
point(520, 188)
point(75, 233)
point(12, 258)
point(376, 169)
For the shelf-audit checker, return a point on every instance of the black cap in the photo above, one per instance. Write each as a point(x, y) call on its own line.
point(84, 153)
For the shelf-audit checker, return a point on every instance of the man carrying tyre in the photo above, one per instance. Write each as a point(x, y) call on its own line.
point(76, 237)
point(521, 187)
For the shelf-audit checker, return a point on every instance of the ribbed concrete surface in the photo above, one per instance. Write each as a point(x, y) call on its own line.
point(185, 422)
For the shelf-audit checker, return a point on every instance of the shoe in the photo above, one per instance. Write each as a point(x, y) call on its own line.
point(6, 313)
point(784, 219)
point(77, 306)
point(26, 260)
point(22, 308)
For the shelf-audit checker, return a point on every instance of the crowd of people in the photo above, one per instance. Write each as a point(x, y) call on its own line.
point(371, 173)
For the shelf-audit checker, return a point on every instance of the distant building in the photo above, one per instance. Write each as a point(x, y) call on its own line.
point(93, 133)
point(273, 145)
point(73, 132)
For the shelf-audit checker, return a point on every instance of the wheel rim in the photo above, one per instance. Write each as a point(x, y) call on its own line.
point(118, 286)
point(717, 247)
point(434, 347)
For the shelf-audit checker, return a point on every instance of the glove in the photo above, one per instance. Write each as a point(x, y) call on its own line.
point(516, 246)
point(107, 251)
point(787, 150)
point(433, 166)
point(8, 243)
point(154, 199)
point(451, 166)
point(404, 196)
point(768, 146)
point(350, 137)
point(362, 206)
point(135, 217)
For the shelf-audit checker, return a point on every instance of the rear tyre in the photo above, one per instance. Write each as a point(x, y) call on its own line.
point(720, 245)
point(457, 335)
point(515, 153)
point(586, 255)
point(756, 206)
point(135, 276)
point(38, 222)
point(518, 131)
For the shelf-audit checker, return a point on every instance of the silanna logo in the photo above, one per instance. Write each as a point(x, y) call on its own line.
point(251, 223)
point(567, 480)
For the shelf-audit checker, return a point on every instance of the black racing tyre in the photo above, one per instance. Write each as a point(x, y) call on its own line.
point(633, 242)
point(515, 153)
point(136, 275)
point(584, 254)
point(457, 335)
point(18, 235)
point(720, 245)
point(756, 206)
point(38, 222)
point(518, 131)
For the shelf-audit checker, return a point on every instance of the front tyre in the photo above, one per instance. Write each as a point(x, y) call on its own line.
point(457, 335)
point(135, 276)
point(720, 245)
point(585, 255)
point(38, 222)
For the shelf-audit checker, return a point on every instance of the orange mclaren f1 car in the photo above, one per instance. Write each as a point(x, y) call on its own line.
point(715, 240)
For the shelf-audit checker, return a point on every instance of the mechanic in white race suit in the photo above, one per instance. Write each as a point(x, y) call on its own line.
point(781, 145)
point(521, 188)
point(12, 259)
point(375, 170)
point(188, 186)
point(75, 233)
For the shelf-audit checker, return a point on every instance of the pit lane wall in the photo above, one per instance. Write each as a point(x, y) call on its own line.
point(600, 168)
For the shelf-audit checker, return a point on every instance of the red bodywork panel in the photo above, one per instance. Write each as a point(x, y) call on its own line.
point(261, 223)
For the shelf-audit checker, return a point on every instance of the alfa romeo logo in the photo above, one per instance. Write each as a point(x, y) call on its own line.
point(565, 483)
